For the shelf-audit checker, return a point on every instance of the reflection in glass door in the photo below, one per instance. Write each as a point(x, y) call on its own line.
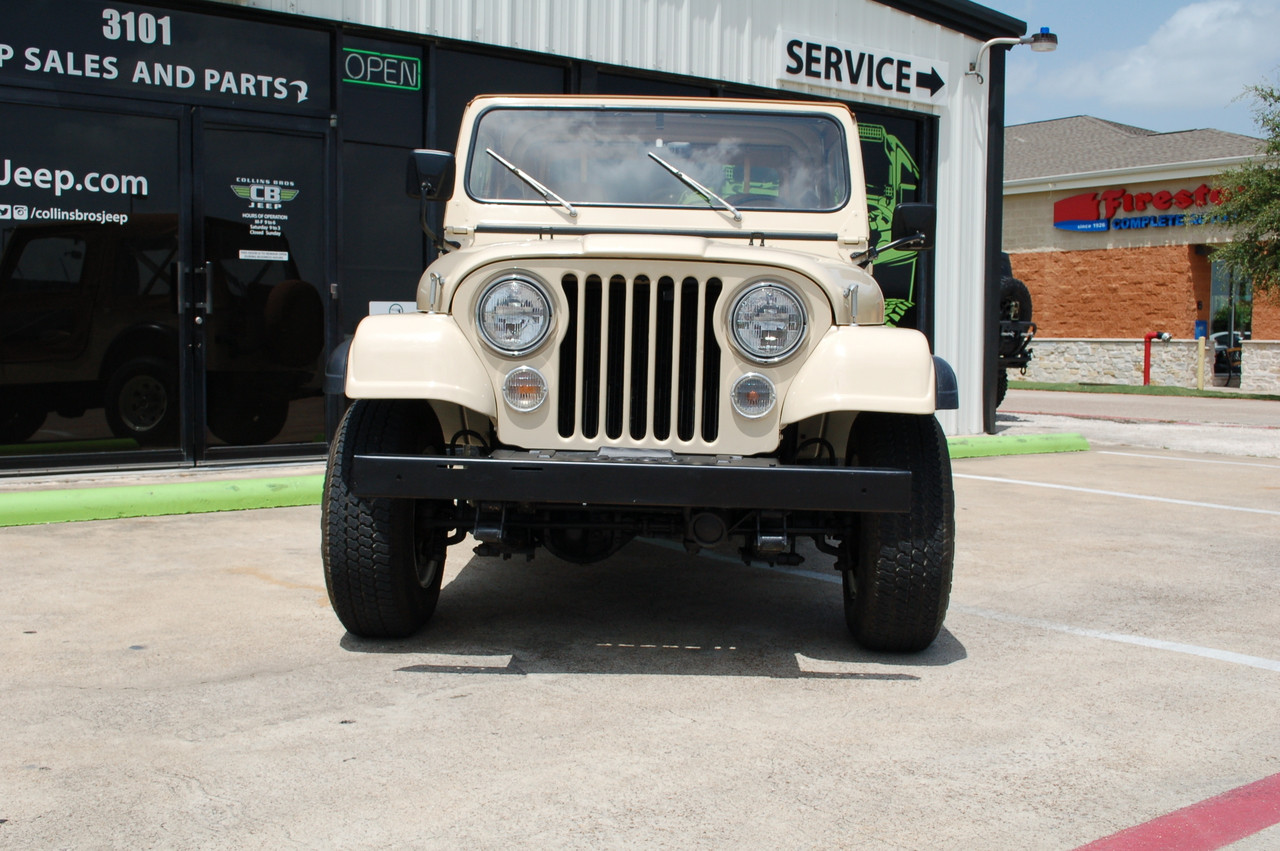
point(261, 231)
point(90, 231)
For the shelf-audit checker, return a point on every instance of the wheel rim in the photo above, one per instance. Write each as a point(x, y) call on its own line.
point(144, 400)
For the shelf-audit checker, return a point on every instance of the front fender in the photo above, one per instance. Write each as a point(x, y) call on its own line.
point(417, 356)
point(864, 368)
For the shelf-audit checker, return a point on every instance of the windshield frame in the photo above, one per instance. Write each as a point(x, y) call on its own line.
point(826, 158)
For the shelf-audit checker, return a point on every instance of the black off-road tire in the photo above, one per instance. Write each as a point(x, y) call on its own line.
point(898, 567)
point(382, 565)
point(1002, 386)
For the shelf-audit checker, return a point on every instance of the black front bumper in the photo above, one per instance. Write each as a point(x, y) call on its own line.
point(632, 479)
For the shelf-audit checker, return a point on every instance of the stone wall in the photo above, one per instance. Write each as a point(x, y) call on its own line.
point(1087, 361)
point(1260, 366)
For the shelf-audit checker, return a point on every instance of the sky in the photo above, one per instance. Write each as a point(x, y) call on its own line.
point(1163, 65)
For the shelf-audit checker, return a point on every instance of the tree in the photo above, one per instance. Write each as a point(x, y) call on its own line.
point(1251, 202)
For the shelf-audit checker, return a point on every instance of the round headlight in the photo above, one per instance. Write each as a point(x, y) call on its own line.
point(514, 314)
point(768, 322)
point(753, 395)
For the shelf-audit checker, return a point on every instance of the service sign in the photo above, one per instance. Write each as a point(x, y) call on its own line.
point(854, 71)
point(162, 54)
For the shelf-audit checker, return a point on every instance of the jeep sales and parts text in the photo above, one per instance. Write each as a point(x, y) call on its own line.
point(148, 30)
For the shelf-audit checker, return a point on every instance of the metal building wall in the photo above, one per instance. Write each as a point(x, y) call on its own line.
point(738, 41)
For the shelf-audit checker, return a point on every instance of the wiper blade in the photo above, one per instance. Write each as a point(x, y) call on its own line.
point(547, 195)
point(711, 197)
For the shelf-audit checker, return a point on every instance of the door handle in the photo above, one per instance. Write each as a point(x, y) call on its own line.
point(207, 305)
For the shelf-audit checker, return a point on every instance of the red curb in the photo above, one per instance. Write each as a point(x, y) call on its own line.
point(1206, 826)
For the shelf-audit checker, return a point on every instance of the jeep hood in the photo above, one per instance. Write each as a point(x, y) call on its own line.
point(845, 284)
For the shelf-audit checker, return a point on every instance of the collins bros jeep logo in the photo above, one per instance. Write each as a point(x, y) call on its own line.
point(1099, 211)
point(261, 194)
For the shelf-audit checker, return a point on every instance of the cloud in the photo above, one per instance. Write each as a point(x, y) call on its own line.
point(1203, 55)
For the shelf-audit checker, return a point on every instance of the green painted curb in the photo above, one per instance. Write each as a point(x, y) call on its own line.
point(26, 508)
point(988, 445)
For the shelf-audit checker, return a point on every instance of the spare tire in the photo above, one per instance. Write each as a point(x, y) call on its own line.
point(1015, 301)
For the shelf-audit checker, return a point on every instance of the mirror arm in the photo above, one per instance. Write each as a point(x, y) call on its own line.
point(442, 245)
point(862, 258)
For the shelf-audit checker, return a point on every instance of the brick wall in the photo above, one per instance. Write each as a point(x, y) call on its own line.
point(1117, 292)
point(1266, 316)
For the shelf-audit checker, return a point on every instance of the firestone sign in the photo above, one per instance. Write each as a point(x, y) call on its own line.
point(1091, 212)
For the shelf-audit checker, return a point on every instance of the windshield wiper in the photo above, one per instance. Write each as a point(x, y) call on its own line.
point(547, 195)
point(706, 193)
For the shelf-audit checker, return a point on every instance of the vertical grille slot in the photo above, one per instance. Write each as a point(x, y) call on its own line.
point(710, 364)
point(641, 306)
point(616, 340)
point(639, 359)
point(569, 360)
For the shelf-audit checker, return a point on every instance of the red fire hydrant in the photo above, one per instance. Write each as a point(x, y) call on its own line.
point(1162, 336)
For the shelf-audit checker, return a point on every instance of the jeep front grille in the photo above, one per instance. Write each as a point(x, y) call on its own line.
point(640, 361)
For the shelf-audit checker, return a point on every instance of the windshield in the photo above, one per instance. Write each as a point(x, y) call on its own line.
point(765, 160)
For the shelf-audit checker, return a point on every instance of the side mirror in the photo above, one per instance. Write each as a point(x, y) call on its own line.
point(910, 220)
point(430, 175)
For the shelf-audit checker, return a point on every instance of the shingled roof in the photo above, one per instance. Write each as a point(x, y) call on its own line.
point(1083, 145)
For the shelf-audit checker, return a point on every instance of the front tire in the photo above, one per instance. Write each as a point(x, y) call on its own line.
point(383, 561)
point(897, 567)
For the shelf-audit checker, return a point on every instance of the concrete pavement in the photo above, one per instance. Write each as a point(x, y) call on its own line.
point(1244, 427)
point(1112, 655)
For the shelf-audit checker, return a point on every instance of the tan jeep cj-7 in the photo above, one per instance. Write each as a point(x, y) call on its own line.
point(654, 317)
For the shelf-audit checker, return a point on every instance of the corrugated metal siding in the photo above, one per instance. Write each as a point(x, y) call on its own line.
point(737, 41)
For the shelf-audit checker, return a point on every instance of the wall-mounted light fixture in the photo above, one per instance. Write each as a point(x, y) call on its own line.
point(1041, 42)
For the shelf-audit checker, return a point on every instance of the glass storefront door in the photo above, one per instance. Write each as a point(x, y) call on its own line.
point(91, 232)
point(261, 243)
point(161, 284)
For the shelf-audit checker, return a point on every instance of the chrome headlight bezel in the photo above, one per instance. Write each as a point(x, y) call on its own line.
point(797, 334)
point(536, 291)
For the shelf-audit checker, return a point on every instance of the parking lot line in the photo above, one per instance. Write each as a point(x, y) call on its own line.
point(1084, 632)
point(1211, 824)
point(1141, 641)
point(1121, 494)
point(1191, 460)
